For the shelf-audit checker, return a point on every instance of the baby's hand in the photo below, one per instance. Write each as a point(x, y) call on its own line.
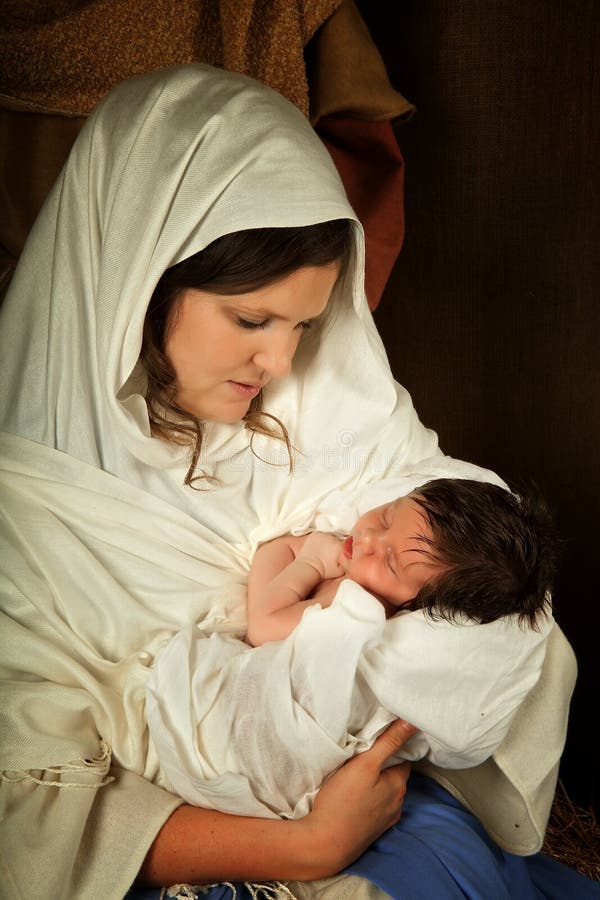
point(323, 551)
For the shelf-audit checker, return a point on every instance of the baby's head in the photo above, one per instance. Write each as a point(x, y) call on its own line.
point(457, 547)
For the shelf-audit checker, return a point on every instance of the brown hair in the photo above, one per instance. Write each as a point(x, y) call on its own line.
point(236, 263)
point(501, 550)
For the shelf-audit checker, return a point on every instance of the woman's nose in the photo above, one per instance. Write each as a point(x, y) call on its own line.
point(275, 357)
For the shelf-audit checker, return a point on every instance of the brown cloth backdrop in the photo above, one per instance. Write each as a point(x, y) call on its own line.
point(58, 59)
point(492, 314)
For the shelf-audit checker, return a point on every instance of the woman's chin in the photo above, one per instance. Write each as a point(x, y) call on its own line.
point(221, 418)
point(229, 414)
point(222, 413)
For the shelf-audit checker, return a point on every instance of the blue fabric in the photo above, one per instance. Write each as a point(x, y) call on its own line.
point(439, 851)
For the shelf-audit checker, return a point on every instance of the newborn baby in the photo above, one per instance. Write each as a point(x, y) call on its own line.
point(434, 608)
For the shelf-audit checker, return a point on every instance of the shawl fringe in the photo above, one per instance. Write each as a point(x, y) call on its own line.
point(271, 890)
point(98, 765)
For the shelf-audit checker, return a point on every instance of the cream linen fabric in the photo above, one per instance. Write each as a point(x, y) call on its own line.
point(106, 555)
point(256, 730)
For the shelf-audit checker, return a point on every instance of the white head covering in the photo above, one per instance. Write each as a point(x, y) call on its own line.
point(108, 553)
point(168, 163)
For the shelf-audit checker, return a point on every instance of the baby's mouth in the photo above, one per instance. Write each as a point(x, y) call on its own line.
point(347, 548)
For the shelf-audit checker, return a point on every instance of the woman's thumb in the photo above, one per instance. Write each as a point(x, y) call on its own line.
point(391, 740)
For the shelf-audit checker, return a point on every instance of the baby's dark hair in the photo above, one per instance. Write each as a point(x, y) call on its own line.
point(501, 549)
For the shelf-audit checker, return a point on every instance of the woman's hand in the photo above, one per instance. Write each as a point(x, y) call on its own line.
point(323, 552)
point(360, 801)
point(352, 809)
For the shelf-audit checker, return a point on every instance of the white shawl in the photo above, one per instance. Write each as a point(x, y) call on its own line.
point(108, 554)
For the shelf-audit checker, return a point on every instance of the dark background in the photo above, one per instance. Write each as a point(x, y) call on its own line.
point(491, 317)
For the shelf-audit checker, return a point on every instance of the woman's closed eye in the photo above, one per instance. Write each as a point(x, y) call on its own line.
point(251, 326)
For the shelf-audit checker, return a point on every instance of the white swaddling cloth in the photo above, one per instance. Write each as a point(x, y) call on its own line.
point(255, 731)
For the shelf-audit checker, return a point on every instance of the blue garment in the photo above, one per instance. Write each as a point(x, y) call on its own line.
point(439, 851)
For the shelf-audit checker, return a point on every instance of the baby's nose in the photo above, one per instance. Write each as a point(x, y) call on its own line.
point(369, 540)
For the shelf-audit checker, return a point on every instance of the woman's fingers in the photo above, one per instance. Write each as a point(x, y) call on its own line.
point(359, 801)
point(389, 742)
point(389, 783)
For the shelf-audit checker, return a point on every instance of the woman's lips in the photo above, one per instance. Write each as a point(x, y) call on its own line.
point(245, 390)
point(347, 547)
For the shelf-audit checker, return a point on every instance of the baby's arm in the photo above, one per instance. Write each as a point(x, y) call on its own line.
point(283, 575)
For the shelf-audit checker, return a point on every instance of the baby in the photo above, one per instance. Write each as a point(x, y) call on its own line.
point(452, 547)
point(435, 608)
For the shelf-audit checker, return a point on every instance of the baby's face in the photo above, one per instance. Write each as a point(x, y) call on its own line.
point(388, 554)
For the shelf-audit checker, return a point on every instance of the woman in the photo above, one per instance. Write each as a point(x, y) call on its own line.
point(139, 475)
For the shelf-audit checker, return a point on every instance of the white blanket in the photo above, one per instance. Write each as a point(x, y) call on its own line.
point(256, 730)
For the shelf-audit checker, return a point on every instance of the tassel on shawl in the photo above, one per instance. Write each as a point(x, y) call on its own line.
point(99, 765)
point(272, 890)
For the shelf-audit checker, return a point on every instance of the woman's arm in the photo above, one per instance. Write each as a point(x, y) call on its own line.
point(352, 809)
point(283, 575)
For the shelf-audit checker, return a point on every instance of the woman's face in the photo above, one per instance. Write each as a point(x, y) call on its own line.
point(389, 551)
point(224, 349)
